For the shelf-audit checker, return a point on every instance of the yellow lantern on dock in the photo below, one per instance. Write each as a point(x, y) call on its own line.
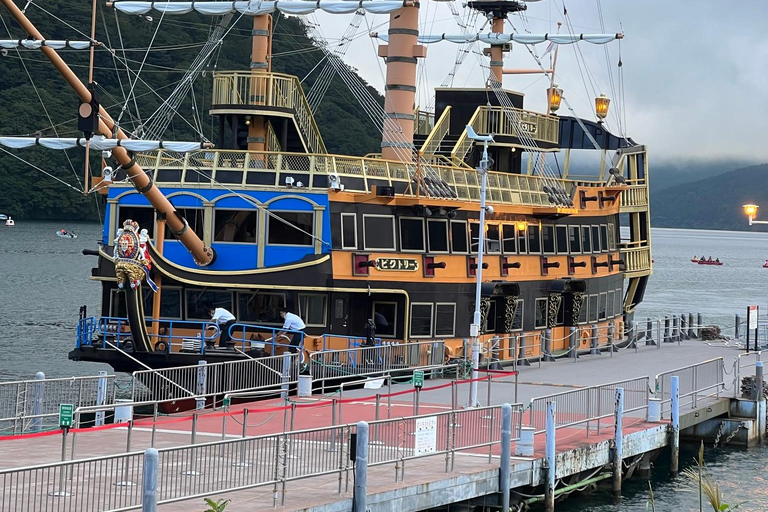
point(601, 106)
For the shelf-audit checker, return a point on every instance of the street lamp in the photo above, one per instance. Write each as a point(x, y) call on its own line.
point(751, 211)
point(474, 328)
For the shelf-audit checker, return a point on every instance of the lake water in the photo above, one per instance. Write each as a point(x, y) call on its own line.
point(44, 281)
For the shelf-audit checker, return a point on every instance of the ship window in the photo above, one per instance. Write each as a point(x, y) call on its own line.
point(522, 241)
point(194, 218)
point(379, 232)
point(474, 237)
point(575, 239)
point(602, 306)
point(609, 305)
point(534, 240)
point(618, 299)
point(611, 237)
point(411, 234)
point(508, 238)
point(385, 318)
point(260, 308)
point(235, 226)
point(144, 215)
point(541, 314)
point(492, 240)
point(437, 232)
point(196, 300)
point(459, 236)
point(548, 239)
point(562, 239)
point(586, 244)
point(338, 311)
point(596, 239)
point(348, 231)
point(593, 308)
point(290, 228)
point(421, 320)
point(604, 237)
point(517, 322)
point(445, 319)
point(584, 310)
point(312, 309)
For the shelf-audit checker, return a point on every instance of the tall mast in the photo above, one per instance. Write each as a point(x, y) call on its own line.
point(261, 64)
point(142, 181)
point(400, 89)
point(497, 11)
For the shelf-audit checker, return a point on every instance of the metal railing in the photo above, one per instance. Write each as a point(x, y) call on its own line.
point(425, 121)
point(172, 332)
point(270, 90)
point(695, 379)
point(436, 136)
point(249, 336)
point(738, 365)
point(29, 405)
point(589, 404)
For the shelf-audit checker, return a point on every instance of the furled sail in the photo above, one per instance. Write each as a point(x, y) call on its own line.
point(256, 8)
point(493, 38)
point(32, 44)
point(100, 143)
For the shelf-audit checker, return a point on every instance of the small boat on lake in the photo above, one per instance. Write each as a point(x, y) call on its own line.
point(3, 216)
point(63, 233)
point(9, 222)
point(710, 261)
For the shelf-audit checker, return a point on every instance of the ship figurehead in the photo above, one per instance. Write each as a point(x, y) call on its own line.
point(132, 262)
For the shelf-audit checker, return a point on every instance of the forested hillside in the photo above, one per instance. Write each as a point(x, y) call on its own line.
point(30, 194)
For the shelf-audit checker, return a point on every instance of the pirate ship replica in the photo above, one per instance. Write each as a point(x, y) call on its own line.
point(264, 217)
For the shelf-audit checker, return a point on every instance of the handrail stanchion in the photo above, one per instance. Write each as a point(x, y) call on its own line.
point(154, 426)
point(243, 462)
point(149, 481)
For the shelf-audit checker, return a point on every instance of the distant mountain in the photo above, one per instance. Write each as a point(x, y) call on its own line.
point(712, 203)
point(667, 175)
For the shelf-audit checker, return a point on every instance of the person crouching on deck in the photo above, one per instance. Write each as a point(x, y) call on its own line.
point(224, 320)
point(292, 323)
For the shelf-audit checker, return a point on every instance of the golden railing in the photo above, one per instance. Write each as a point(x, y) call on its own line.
point(222, 168)
point(268, 90)
point(424, 122)
point(636, 259)
point(438, 133)
point(464, 143)
point(634, 196)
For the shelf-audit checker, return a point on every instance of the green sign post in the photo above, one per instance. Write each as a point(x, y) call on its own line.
point(65, 415)
point(418, 379)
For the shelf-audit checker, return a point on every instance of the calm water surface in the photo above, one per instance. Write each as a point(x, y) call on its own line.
point(44, 280)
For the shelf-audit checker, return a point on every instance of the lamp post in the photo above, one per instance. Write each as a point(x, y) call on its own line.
point(751, 211)
point(474, 328)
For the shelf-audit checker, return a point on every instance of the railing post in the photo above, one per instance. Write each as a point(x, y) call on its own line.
point(573, 344)
point(202, 373)
point(649, 332)
point(593, 342)
point(504, 459)
point(360, 498)
point(286, 375)
point(37, 404)
point(667, 337)
point(547, 345)
point(737, 327)
point(674, 392)
point(618, 442)
point(691, 330)
point(550, 451)
point(699, 324)
point(149, 481)
point(101, 397)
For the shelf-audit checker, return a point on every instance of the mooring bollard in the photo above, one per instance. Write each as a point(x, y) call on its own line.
point(200, 390)
point(691, 328)
point(699, 324)
point(674, 392)
point(550, 451)
point(360, 496)
point(683, 328)
point(149, 481)
point(573, 344)
point(546, 338)
point(737, 327)
point(37, 405)
point(629, 329)
point(504, 459)
point(667, 336)
point(618, 442)
point(593, 341)
point(521, 359)
point(649, 332)
point(675, 329)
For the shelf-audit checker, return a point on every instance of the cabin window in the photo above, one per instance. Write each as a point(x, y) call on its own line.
point(194, 218)
point(583, 312)
point(548, 239)
point(144, 215)
point(593, 308)
point(522, 241)
point(596, 239)
point(508, 238)
point(312, 309)
point(492, 239)
point(385, 318)
point(437, 234)
point(338, 309)
point(609, 305)
point(618, 298)
point(411, 234)
point(379, 232)
point(421, 320)
point(574, 237)
point(290, 228)
point(459, 236)
point(586, 240)
point(348, 231)
point(612, 237)
point(604, 237)
point(474, 237)
point(517, 322)
point(260, 308)
point(445, 319)
point(602, 305)
point(235, 226)
point(197, 299)
point(534, 240)
point(540, 321)
point(562, 239)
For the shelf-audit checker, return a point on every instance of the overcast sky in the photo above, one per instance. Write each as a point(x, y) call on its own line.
point(695, 73)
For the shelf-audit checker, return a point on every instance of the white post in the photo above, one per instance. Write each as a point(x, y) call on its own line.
point(101, 397)
point(674, 392)
point(37, 406)
point(201, 384)
point(618, 441)
point(549, 455)
point(149, 481)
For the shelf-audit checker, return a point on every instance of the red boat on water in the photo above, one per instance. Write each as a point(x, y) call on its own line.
point(710, 262)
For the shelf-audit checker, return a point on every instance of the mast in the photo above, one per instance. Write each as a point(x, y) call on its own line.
point(261, 64)
point(141, 180)
point(497, 11)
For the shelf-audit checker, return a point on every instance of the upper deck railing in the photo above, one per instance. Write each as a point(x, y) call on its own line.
point(242, 88)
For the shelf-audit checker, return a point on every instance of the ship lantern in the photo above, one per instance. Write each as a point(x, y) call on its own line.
point(521, 225)
point(554, 97)
point(751, 210)
point(601, 106)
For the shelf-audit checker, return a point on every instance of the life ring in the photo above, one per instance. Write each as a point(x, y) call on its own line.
point(161, 346)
